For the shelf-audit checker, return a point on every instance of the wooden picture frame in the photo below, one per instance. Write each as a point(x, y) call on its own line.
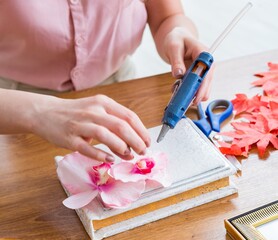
point(252, 225)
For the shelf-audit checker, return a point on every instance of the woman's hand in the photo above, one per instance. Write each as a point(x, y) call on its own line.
point(176, 41)
point(73, 124)
point(181, 48)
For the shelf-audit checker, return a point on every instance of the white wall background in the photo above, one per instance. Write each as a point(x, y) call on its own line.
point(256, 32)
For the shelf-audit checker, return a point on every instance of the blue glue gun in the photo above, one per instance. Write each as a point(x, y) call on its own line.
point(185, 93)
point(191, 81)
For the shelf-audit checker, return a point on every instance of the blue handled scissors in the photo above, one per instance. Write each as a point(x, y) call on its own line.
point(210, 121)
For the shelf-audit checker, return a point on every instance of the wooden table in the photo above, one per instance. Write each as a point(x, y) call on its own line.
point(31, 195)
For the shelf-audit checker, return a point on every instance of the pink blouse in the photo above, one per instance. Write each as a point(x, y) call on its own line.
point(67, 44)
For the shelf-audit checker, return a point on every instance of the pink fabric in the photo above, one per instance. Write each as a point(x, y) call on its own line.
point(64, 45)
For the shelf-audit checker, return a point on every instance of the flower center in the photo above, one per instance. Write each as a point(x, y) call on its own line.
point(144, 166)
point(99, 174)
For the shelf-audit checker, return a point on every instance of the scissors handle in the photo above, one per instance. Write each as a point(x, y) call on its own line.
point(202, 123)
point(216, 119)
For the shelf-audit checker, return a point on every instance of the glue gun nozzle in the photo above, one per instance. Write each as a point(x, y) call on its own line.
point(165, 128)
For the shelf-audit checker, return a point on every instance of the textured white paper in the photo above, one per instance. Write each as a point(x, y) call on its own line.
point(189, 154)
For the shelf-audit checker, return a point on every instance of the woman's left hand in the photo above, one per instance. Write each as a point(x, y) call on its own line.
point(180, 49)
point(175, 36)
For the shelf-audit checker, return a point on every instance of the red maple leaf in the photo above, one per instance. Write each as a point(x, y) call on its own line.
point(261, 114)
point(243, 104)
point(272, 66)
point(270, 113)
point(269, 99)
point(247, 134)
point(271, 88)
point(232, 149)
point(268, 80)
point(265, 76)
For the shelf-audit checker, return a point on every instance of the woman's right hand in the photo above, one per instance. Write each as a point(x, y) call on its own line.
point(74, 123)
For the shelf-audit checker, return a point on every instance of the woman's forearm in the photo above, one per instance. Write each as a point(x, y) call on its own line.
point(17, 110)
point(163, 17)
point(176, 41)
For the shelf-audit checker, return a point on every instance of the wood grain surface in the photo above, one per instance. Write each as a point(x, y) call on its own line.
point(31, 196)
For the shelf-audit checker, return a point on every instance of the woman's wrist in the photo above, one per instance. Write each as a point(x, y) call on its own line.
point(20, 111)
point(40, 109)
point(179, 24)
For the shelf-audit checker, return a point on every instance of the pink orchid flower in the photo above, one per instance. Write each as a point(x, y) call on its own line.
point(86, 179)
point(153, 169)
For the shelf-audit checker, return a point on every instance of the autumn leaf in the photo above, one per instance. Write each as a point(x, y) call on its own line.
point(243, 104)
point(260, 128)
point(270, 114)
point(269, 99)
point(272, 66)
point(271, 88)
point(265, 76)
point(268, 80)
point(247, 134)
point(232, 149)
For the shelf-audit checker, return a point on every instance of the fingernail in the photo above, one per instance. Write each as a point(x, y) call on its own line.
point(178, 72)
point(148, 142)
point(109, 158)
point(143, 152)
point(127, 151)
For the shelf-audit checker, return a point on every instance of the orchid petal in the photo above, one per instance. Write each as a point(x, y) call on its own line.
point(118, 194)
point(124, 171)
point(73, 172)
point(159, 172)
point(80, 200)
